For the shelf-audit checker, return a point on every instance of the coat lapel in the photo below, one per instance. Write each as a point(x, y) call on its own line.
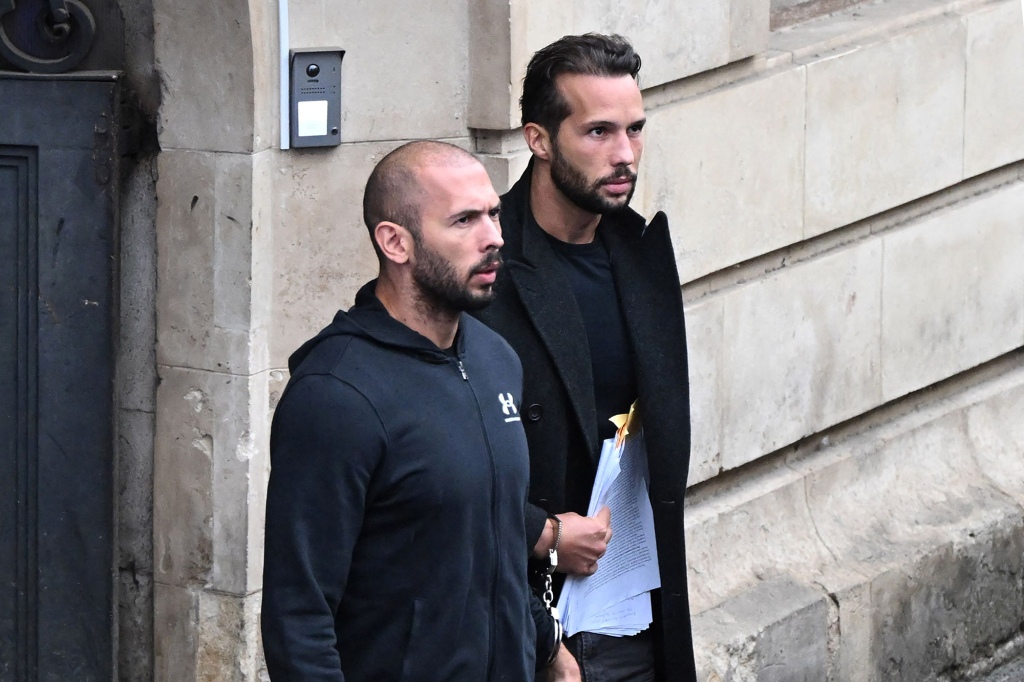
point(551, 305)
point(649, 304)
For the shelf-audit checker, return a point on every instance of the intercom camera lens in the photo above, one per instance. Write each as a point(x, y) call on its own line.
point(312, 70)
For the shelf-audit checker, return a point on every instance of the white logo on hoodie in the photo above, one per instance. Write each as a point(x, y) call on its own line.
point(508, 406)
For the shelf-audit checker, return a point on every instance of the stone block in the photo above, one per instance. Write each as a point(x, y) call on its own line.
point(884, 124)
point(727, 168)
point(856, 24)
point(204, 55)
point(210, 471)
point(183, 464)
point(265, 170)
point(818, 322)
point(255, 448)
point(275, 389)
point(852, 647)
point(962, 597)
point(406, 69)
point(749, 23)
point(674, 41)
point(704, 353)
point(204, 636)
point(758, 532)
point(495, 72)
point(204, 238)
point(953, 295)
point(909, 493)
point(135, 433)
point(940, 547)
point(775, 632)
point(996, 433)
point(228, 638)
point(136, 353)
point(266, 84)
point(505, 169)
point(135, 627)
point(994, 104)
point(175, 635)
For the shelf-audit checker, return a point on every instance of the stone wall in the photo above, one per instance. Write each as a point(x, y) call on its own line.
point(847, 203)
point(216, 64)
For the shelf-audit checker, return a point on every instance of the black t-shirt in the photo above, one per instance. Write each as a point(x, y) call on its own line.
point(589, 271)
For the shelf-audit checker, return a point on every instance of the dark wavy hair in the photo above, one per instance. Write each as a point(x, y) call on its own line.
point(591, 54)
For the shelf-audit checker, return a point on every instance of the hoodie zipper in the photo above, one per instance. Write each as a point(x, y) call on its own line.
point(494, 516)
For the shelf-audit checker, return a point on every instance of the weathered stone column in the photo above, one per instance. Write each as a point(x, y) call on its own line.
point(212, 413)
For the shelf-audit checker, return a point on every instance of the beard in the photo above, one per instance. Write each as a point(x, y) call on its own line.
point(571, 182)
point(441, 288)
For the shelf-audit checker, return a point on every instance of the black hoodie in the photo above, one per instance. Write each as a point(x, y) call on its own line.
point(395, 541)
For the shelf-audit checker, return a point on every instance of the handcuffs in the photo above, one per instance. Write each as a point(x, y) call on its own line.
point(549, 594)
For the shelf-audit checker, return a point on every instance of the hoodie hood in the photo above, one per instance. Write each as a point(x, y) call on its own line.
point(369, 319)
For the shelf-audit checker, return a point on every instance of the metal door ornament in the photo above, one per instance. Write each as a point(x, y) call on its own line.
point(45, 36)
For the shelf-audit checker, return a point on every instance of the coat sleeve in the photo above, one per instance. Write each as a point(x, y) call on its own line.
point(326, 441)
point(535, 520)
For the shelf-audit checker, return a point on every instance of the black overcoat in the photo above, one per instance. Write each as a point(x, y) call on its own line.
point(535, 310)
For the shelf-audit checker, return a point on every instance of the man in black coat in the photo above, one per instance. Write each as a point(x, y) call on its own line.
point(590, 300)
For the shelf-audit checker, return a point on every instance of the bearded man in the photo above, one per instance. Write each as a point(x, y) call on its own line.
point(590, 299)
point(395, 545)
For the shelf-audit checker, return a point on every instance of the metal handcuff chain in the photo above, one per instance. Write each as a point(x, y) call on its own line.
point(549, 593)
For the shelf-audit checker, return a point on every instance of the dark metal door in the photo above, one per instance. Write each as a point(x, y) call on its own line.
point(57, 272)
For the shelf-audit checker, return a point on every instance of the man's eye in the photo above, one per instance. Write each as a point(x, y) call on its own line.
point(494, 212)
point(597, 132)
point(638, 128)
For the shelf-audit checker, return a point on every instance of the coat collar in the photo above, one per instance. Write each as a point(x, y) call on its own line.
point(550, 304)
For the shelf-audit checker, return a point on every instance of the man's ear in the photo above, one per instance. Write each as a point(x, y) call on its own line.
point(538, 140)
point(395, 241)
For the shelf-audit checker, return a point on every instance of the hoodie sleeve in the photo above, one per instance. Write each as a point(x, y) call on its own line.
point(325, 443)
point(545, 630)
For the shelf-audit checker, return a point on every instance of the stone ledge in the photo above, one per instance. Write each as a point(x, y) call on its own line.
point(898, 555)
point(863, 24)
point(777, 631)
point(1004, 663)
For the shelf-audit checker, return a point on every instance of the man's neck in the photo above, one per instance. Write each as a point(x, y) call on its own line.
point(404, 303)
point(555, 213)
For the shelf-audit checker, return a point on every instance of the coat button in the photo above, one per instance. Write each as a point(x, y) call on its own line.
point(533, 413)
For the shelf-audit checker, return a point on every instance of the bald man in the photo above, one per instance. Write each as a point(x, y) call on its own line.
point(395, 538)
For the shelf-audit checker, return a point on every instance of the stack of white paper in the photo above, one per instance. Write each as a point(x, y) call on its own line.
point(616, 600)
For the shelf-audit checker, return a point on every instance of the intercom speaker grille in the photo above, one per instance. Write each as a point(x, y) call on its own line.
point(312, 91)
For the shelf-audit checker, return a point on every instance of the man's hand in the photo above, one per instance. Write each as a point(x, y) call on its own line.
point(564, 668)
point(584, 541)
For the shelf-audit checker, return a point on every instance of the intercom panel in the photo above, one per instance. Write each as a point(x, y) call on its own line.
point(316, 97)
